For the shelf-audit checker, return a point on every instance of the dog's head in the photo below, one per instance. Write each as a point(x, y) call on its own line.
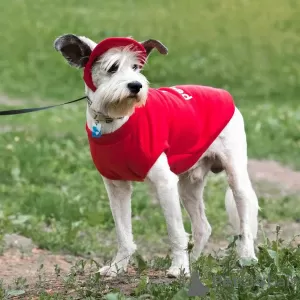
point(111, 70)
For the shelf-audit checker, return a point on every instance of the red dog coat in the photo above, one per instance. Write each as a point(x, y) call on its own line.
point(181, 121)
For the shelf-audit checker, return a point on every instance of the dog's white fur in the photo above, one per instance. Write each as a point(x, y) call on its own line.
point(229, 150)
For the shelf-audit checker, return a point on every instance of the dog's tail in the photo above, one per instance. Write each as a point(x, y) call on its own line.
point(234, 216)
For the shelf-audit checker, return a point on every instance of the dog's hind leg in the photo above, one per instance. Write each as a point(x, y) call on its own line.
point(244, 215)
point(119, 193)
point(191, 187)
point(165, 183)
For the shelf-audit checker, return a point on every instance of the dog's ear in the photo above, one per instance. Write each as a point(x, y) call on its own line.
point(74, 49)
point(149, 45)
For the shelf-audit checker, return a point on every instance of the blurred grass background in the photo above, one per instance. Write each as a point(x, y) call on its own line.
point(49, 189)
point(248, 47)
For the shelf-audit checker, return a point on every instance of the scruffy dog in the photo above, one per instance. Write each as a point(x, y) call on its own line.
point(169, 137)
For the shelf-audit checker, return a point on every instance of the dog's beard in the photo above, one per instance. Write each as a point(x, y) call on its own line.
point(124, 107)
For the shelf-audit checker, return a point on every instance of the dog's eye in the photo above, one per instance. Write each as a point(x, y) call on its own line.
point(135, 67)
point(113, 68)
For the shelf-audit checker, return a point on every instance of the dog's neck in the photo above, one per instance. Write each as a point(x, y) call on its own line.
point(105, 127)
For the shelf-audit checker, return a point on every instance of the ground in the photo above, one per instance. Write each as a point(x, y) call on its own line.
point(22, 259)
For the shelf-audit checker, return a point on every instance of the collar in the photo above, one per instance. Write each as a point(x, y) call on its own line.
point(99, 116)
point(106, 45)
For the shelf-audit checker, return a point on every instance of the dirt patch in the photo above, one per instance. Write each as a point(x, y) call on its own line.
point(271, 176)
point(49, 274)
point(31, 266)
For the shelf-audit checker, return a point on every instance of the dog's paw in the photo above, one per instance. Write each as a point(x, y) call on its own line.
point(175, 272)
point(109, 271)
point(246, 251)
point(249, 258)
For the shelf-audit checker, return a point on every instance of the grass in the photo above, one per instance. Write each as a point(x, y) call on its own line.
point(49, 188)
point(48, 182)
point(251, 48)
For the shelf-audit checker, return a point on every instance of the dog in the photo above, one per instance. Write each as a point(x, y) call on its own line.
point(169, 138)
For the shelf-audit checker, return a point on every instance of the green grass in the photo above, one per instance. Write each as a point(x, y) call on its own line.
point(49, 188)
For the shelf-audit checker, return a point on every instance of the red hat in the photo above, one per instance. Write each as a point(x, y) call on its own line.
point(106, 45)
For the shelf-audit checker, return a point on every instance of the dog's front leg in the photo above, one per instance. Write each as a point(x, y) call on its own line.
point(165, 184)
point(119, 193)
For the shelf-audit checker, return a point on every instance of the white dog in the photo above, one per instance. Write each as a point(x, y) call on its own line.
point(138, 133)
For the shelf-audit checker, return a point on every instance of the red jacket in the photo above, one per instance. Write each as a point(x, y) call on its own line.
point(181, 121)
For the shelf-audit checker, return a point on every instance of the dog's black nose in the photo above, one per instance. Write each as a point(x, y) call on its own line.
point(134, 86)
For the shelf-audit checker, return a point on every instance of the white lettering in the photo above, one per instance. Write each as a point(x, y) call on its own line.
point(185, 96)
